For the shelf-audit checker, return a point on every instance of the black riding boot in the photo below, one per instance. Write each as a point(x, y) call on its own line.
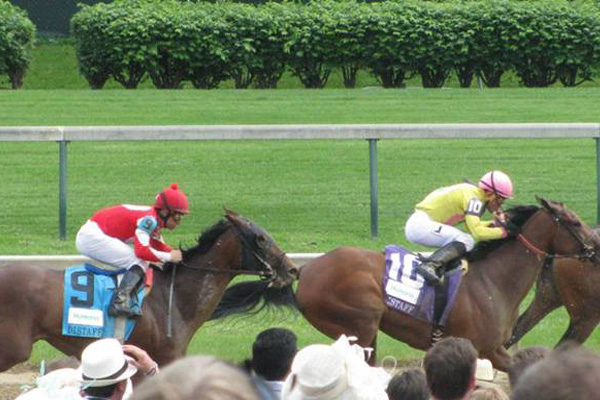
point(126, 292)
point(432, 267)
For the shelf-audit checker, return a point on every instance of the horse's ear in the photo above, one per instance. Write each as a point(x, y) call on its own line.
point(230, 214)
point(543, 202)
point(554, 206)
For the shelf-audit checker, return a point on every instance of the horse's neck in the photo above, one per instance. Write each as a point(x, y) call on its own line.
point(514, 268)
point(197, 292)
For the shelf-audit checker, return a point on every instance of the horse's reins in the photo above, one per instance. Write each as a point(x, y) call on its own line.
point(265, 274)
point(586, 253)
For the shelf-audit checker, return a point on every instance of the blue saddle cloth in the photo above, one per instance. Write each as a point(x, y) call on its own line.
point(88, 291)
point(406, 291)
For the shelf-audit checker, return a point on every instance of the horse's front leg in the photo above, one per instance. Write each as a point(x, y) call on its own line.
point(546, 299)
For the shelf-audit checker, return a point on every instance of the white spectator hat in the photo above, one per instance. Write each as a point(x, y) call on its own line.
point(485, 371)
point(60, 378)
point(318, 372)
point(332, 372)
point(34, 394)
point(103, 363)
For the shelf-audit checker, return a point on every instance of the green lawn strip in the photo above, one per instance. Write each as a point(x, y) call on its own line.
point(296, 106)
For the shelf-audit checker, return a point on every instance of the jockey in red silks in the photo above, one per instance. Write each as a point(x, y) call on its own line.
point(107, 235)
point(432, 222)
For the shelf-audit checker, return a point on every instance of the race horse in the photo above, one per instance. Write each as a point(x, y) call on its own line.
point(569, 282)
point(341, 292)
point(31, 296)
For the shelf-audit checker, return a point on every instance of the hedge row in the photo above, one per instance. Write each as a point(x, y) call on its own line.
point(17, 34)
point(207, 43)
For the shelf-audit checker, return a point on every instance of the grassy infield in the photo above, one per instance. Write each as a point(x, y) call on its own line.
point(311, 196)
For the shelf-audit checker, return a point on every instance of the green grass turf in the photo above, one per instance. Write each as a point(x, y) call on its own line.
point(296, 106)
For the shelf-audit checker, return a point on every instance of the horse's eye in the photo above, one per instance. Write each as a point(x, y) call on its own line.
point(261, 241)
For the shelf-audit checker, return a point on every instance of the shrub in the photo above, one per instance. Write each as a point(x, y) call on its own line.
point(17, 35)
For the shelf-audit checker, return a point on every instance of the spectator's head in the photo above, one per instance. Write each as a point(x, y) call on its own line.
point(339, 371)
point(523, 359)
point(409, 385)
point(105, 369)
point(569, 372)
point(488, 393)
point(273, 352)
point(450, 368)
point(201, 377)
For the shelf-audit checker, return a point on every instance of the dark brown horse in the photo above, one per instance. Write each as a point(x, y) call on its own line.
point(31, 297)
point(568, 282)
point(341, 291)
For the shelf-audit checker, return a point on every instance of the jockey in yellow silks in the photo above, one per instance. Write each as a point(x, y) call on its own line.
point(432, 222)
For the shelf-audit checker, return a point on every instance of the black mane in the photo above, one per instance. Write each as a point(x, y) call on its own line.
point(517, 215)
point(208, 238)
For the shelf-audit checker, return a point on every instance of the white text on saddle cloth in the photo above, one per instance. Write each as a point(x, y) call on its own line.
point(84, 316)
point(404, 283)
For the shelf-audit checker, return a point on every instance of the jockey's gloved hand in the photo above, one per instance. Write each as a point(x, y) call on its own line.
point(511, 229)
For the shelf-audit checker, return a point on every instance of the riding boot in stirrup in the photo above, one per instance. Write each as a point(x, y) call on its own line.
point(120, 305)
point(433, 266)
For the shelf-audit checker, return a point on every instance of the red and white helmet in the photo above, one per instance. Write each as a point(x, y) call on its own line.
point(172, 199)
point(497, 182)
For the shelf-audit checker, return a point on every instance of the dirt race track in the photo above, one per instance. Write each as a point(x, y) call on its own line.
point(14, 381)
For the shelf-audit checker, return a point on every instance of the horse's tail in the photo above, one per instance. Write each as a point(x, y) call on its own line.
point(252, 297)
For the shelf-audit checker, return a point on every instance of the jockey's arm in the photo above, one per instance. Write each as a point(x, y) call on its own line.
point(144, 243)
point(481, 230)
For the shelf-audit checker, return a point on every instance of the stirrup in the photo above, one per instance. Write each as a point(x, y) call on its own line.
point(428, 273)
point(120, 310)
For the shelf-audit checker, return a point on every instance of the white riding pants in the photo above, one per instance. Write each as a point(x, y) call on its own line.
point(422, 230)
point(95, 244)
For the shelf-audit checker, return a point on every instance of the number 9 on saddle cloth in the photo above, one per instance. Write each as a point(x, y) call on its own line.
point(88, 291)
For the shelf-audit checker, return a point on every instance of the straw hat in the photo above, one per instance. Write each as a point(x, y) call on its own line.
point(339, 371)
point(485, 373)
point(103, 363)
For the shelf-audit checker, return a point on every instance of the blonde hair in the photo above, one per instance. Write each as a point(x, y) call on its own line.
point(489, 393)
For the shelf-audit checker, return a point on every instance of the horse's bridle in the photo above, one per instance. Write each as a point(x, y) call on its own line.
point(267, 274)
point(587, 253)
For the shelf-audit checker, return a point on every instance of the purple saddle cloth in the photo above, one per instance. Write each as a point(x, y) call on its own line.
point(406, 291)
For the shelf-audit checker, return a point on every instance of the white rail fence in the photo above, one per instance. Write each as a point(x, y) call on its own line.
point(372, 133)
point(62, 262)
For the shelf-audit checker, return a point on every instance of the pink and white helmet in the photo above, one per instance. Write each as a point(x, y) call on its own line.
point(498, 183)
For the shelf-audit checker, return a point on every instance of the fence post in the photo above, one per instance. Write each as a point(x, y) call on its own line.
point(62, 190)
point(597, 181)
point(373, 181)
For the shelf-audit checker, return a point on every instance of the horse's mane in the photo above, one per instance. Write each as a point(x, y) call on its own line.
point(208, 238)
point(518, 215)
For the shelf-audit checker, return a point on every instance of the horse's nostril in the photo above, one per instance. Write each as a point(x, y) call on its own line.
point(294, 272)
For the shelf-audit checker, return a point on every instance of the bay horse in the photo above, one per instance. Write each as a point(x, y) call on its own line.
point(31, 297)
point(568, 282)
point(341, 292)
